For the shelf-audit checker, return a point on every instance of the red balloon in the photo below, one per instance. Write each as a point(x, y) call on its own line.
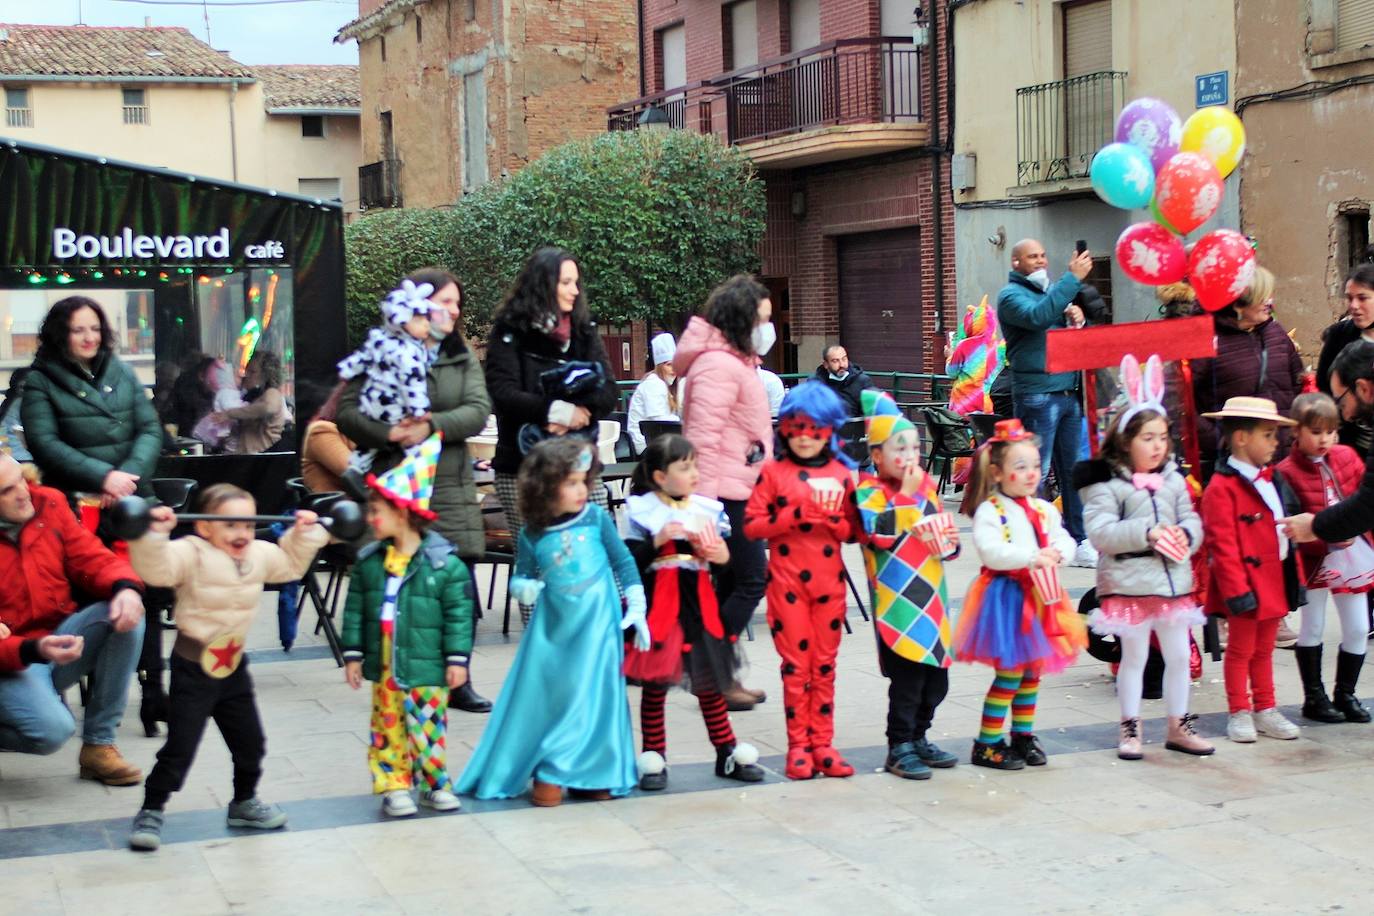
point(1150, 254)
point(1220, 268)
point(1188, 190)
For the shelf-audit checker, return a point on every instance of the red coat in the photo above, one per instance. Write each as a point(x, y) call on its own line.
point(54, 554)
point(1302, 475)
point(1243, 548)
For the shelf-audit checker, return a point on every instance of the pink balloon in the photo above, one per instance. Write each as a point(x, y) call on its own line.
point(1188, 191)
point(1150, 254)
point(1221, 267)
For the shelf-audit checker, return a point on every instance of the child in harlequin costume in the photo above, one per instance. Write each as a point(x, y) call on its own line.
point(1322, 473)
point(804, 506)
point(1015, 617)
point(218, 574)
point(1254, 569)
point(407, 628)
point(1138, 514)
point(563, 718)
point(906, 577)
point(676, 536)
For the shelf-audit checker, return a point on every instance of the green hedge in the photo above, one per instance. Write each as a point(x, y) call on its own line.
point(656, 219)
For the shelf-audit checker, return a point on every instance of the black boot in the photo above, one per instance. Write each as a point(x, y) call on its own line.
point(1348, 668)
point(468, 700)
point(153, 708)
point(1315, 705)
point(744, 770)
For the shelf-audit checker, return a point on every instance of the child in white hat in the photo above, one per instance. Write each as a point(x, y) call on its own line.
point(654, 398)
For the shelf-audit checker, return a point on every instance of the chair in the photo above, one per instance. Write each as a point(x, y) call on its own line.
point(175, 492)
point(607, 435)
point(854, 434)
point(333, 561)
point(624, 446)
point(652, 429)
point(951, 437)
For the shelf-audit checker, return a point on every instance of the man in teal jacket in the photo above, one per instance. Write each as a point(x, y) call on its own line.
point(1047, 403)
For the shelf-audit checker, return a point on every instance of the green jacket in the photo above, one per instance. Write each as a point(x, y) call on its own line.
point(433, 614)
point(80, 426)
point(1026, 314)
point(459, 408)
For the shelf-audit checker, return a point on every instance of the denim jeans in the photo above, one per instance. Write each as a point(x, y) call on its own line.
point(1058, 420)
point(33, 718)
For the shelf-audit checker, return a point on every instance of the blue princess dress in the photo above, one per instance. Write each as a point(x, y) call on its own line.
point(563, 716)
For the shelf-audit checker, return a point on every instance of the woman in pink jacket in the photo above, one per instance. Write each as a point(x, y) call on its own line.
point(725, 415)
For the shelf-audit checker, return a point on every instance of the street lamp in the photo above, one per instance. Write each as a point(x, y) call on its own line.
point(654, 118)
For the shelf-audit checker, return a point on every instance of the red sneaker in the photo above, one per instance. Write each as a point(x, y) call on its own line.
point(799, 764)
point(829, 762)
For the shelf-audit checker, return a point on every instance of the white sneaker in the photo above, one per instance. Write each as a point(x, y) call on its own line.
point(1271, 724)
point(400, 804)
point(1240, 728)
point(440, 800)
point(1085, 556)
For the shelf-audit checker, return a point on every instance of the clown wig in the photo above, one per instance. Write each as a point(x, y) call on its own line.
point(814, 401)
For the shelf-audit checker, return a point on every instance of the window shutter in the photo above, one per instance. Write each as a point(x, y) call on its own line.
point(1088, 38)
point(1354, 24)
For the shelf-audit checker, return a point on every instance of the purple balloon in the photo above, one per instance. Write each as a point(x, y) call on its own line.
point(1153, 126)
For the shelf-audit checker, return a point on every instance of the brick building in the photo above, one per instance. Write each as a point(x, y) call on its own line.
point(457, 93)
point(846, 119)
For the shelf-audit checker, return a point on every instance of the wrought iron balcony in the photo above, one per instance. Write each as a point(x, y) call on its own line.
point(379, 184)
point(1060, 126)
point(851, 81)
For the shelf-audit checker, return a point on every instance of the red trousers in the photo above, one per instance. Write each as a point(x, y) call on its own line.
point(1249, 663)
point(806, 617)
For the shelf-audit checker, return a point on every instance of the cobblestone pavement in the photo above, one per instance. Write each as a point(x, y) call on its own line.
point(1269, 827)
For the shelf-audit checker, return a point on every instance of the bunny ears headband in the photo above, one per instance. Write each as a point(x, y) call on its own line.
point(1144, 389)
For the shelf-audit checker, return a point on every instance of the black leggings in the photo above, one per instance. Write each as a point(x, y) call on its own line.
point(740, 587)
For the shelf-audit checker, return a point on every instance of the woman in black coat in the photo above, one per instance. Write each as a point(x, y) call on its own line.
point(543, 325)
point(1358, 325)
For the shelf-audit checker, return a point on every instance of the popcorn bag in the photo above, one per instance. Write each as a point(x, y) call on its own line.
point(1172, 546)
point(828, 493)
point(1045, 580)
point(938, 531)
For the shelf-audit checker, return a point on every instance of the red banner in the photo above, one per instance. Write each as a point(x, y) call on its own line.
point(1077, 349)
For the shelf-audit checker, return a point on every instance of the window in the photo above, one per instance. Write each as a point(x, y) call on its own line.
point(1354, 24)
point(739, 34)
point(1087, 37)
point(312, 125)
point(474, 130)
point(1352, 238)
point(419, 30)
point(804, 24)
point(383, 41)
point(18, 112)
point(135, 106)
point(322, 188)
point(470, 11)
point(671, 71)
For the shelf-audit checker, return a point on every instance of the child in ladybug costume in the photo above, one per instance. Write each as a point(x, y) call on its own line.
point(803, 505)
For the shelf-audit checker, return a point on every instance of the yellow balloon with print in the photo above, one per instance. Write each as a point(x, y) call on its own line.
point(1216, 133)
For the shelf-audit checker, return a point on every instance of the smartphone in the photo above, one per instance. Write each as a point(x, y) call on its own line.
point(1080, 246)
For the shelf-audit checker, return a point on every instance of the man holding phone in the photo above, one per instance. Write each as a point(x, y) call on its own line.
point(1049, 404)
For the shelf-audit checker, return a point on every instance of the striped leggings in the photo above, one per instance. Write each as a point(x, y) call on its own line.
point(1014, 688)
point(651, 718)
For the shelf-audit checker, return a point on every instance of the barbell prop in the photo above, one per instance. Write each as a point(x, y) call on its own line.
point(131, 516)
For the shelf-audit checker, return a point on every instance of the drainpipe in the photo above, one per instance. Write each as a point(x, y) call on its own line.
point(639, 40)
point(233, 133)
point(936, 192)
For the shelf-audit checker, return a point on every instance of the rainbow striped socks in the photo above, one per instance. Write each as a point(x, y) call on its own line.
point(1005, 685)
point(1023, 704)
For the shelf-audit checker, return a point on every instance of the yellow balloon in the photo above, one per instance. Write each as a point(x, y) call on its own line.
point(1217, 133)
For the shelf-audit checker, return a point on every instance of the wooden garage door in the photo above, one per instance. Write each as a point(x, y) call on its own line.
point(880, 299)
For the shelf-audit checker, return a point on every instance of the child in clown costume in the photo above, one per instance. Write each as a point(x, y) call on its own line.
point(906, 577)
point(804, 506)
point(1008, 621)
point(407, 628)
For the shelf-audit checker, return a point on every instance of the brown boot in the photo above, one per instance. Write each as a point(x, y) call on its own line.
point(758, 695)
point(591, 794)
point(737, 699)
point(546, 795)
point(103, 763)
point(1182, 738)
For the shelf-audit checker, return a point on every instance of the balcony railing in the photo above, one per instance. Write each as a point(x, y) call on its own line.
point(1061, 125)
point(851, 81)
point(135, 114)
point(379, 184)
point(19, 117)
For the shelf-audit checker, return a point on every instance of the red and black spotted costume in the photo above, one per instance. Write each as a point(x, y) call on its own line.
point(806, 591)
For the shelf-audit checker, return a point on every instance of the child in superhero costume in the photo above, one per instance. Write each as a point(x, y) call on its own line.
point(803, 505)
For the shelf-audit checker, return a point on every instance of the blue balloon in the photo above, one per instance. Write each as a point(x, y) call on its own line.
point(1122, 176)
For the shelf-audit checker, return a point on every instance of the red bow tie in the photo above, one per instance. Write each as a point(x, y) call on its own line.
point(1266, 474)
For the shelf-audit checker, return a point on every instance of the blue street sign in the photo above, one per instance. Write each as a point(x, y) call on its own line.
point(1212, 89)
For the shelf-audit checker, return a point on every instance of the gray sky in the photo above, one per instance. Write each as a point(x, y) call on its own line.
point(289, 33)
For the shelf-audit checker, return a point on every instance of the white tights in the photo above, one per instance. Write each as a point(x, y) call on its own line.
point(1353, 611)
point(1135, 651)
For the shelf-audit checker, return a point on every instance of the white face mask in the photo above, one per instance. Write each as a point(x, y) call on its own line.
point(763, 338)
point(1040, 278)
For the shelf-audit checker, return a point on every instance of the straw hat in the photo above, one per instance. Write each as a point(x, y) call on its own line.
point(1251, 409)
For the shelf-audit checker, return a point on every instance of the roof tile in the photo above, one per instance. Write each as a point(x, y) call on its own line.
point(310, 85)
point(76, 50)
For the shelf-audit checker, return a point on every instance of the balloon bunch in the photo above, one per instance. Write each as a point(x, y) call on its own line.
point(1176, 169)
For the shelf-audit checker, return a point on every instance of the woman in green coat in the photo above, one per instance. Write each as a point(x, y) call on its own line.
point(459, 408)
point(87, 420)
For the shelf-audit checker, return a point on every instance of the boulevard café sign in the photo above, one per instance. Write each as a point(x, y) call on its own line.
point(67, 244)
